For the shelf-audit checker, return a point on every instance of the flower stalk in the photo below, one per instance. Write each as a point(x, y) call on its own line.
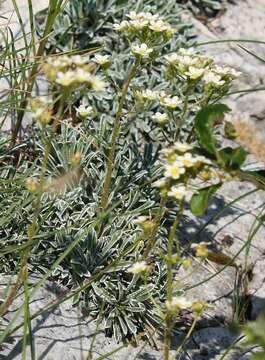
point(169, 285)
point(115, 134)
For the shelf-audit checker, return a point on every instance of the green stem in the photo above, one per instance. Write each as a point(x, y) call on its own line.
point(184, 110)
point(188, 335)
point(152, 237)
point(115, 134)
point(32, 229)
point(170, 247)
point(203, 103)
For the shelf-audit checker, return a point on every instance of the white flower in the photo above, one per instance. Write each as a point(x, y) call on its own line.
point(160, 118)
point(84, 110)
point(162, 94)
point(194, 73)
point(172, 58)
point(149, 94)
point(210, 78)
point(59, 61)
point(101, 59)
point(138, 24)
point(123, 26)
point(167, 152)
point(235, 74)
point(178, 192)
point(187, 60)
point(141, 15)
point(143, 50)
point(150, 17)
point(64, 61)
point(182, 147)
point(160, 183)
point(188, 52)
point(187, 160)
point(65, 79)
point(97, 83)
point(221, 70)
point(79, 60)
point(138, 267)
point(226, 71)
point(81, 76)
point(159, 26)
point(174, 170)
point(203, 159)
point(70, 76)
point(171, 102)
point(140, 220)
point(132, 15)
point(178, 303)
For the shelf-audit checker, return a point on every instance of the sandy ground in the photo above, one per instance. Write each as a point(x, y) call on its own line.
point(61, 334)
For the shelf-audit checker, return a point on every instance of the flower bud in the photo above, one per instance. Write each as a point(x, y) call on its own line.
point(75, 158)
point(32, 185)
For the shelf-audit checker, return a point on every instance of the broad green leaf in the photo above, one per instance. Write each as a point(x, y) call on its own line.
point(259, 356)
point(233, 158)
point(230, 131)
point(204, 124)
point(200, 201)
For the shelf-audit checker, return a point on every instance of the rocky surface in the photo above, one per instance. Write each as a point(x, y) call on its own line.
point(63, 333)
point(243, 20)
point(229, 232)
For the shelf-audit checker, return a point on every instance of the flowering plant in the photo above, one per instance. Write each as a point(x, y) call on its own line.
point(124, 144)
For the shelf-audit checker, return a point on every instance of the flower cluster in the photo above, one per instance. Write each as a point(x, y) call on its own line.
point(150, 30)
point(166, 101)
point(195, 67)
point(170, 102)
point(147, 95)
point(180, 164)
point(144, 22)
point(142, 50)
point(187, 64)
point(69, 71)
point(160, 118)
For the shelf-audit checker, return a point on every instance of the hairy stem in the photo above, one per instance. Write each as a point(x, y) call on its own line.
point(170, 248)
point(195, 320)
point(32, 229)
point(152, 237)
point(115, 134)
